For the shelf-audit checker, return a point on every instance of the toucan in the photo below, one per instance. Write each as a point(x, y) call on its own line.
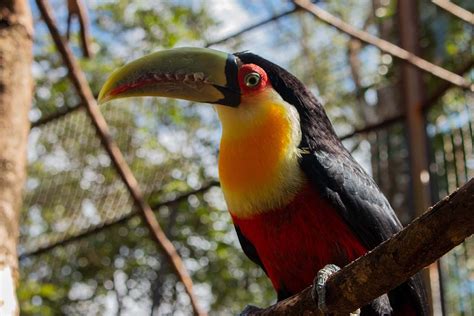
point(297, 198)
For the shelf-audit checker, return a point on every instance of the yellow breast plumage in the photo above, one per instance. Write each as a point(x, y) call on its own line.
point(258, 165)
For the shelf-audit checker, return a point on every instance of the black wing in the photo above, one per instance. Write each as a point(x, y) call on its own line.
point(353, 193)
point(248, 248)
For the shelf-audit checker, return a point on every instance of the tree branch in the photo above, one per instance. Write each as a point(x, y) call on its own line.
point(384, 45)
point(87, 98)
point(425, 105)
point(252, 27)
point(455, 10)
point(116, 221)
point(430, 236)
point(56, 115)
point(78, 9)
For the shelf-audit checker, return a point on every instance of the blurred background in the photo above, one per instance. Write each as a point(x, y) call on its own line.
point(84, 250)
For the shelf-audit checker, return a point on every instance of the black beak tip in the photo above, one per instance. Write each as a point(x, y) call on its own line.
point(231, 97)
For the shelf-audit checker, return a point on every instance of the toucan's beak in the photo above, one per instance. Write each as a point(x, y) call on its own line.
point(195, 74)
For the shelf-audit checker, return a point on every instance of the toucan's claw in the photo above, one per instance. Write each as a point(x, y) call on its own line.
point(319, 285)
point(249, 310)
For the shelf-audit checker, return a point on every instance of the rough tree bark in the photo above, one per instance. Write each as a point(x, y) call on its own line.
point(16, 85)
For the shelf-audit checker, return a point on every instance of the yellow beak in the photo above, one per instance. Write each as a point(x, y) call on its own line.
point(195, 74)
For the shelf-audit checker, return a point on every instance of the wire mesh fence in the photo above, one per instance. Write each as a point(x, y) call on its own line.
point(72, 179)
point(450, 127)
point(80, 191)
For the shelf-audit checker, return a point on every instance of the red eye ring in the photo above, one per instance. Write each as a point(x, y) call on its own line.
point(252, 78)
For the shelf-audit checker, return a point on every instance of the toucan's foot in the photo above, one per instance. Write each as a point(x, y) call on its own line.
point(249, 310)
point(319, 285)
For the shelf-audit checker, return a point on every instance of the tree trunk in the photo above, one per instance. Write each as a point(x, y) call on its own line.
point(16, 85)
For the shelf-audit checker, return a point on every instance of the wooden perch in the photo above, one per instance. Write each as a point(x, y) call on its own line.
point(430, 236)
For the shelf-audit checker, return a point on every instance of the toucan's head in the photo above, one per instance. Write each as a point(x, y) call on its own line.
point(268, 116)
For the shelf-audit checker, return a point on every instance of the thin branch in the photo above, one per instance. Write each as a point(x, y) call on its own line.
point(374, 127)
point(56, 115)
point(252, 27)
point(430, 236)
point(78, 9)
point(114, 222)
point(426, 105)
point(384, 45)
point(445, 86)
point(80, 83)
point(455, 10)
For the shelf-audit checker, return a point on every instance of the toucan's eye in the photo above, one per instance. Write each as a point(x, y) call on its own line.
point(252, 79)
